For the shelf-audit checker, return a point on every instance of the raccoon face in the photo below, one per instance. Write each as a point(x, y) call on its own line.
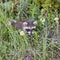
point(27, 26)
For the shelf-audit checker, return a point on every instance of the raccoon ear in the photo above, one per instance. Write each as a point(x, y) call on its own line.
point(24, 23)
point(35, 22)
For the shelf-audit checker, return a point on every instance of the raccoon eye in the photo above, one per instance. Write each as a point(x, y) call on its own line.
point(27, 29)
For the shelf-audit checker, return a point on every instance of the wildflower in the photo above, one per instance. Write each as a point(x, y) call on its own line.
point(43, 21)
point(22, 33)
point(56, 19)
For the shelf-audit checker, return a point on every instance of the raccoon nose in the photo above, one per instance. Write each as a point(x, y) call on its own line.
point(30, 32)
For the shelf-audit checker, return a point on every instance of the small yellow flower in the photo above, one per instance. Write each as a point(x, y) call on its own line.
point(22, 33)
point(42, 21)
point(56, 19)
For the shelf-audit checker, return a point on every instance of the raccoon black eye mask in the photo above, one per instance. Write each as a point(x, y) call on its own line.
point(27, 26)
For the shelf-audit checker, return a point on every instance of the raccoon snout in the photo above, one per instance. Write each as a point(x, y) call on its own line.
point(29, 33)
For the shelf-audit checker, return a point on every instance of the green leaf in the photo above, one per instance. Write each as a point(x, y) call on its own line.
point(0, 58)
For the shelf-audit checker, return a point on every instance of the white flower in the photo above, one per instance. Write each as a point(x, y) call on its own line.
point(56, 19)
point(22, 33)
point(42, 20)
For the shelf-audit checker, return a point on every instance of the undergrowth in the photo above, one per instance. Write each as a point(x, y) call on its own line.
point(13, 46)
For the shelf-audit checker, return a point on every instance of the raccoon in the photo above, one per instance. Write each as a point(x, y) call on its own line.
point(29, 26)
